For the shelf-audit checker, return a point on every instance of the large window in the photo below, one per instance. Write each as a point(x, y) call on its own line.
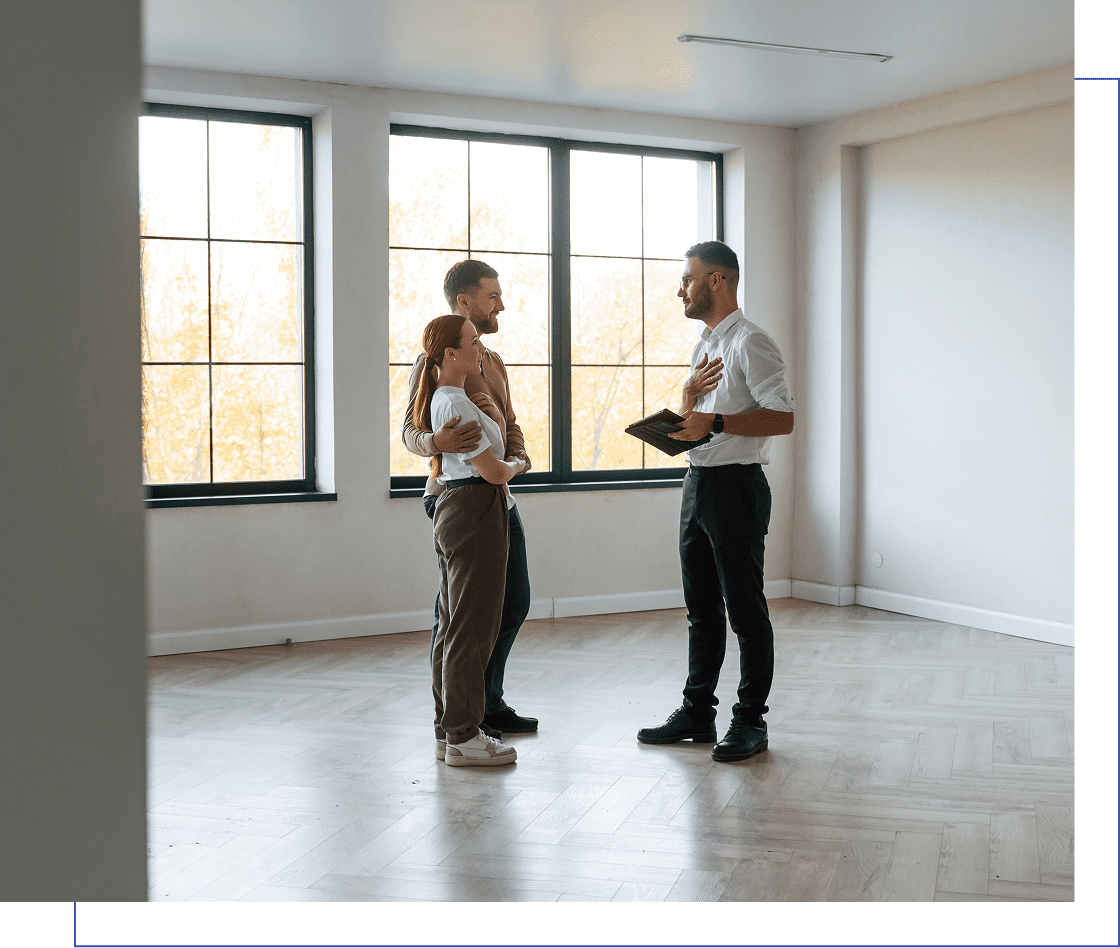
point(226, 319)
point(587, 240)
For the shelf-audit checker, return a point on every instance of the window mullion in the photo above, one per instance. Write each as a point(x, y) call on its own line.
point(561, 313)
point(209, 312)
point(310, 469)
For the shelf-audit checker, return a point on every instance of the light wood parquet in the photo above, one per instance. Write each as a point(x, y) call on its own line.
point(909, 760)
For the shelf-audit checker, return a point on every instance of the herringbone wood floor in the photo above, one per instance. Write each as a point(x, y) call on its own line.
point(909, 760)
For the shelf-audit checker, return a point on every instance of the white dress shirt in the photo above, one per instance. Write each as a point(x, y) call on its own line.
point(754, 376)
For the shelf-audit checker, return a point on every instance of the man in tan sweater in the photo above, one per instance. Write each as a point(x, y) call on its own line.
point(472, 290)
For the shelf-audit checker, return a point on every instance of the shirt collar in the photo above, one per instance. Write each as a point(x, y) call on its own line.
point(724, 326)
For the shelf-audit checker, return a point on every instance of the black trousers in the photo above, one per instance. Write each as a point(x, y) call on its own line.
point(725, 512)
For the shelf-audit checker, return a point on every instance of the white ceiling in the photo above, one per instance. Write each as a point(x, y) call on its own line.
point(624, 54)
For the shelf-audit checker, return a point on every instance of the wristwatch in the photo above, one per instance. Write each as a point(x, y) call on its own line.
point(717, 424)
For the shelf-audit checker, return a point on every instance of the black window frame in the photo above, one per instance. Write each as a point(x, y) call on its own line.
point(221, 493)
point(562, 478)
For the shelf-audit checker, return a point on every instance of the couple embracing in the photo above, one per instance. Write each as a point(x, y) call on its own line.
point(461, 416)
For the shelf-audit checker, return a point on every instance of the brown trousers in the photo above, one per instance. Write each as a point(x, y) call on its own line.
point(471, 526)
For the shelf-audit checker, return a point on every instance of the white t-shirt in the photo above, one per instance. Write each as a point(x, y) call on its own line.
point(449, 401)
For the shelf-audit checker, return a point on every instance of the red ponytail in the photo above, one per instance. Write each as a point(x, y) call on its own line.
point(441, 334)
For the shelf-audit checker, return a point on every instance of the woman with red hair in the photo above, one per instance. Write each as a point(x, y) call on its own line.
point(471, 527)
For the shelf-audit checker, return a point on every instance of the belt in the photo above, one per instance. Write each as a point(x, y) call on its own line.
point(465, 482)
point(712, 468)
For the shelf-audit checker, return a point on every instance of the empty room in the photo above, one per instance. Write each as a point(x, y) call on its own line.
point(835, 240)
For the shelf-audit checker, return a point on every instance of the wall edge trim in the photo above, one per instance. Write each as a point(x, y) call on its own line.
point(1024, 627)
point(388, 623)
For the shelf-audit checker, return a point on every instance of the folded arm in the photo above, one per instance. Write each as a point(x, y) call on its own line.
point(427, 444)
point(515, 438)
point(495, 471)
point(763, 370)
point(760, 423)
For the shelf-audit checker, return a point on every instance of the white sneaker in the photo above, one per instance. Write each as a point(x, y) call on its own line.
point(480, 751)
point(441, 749)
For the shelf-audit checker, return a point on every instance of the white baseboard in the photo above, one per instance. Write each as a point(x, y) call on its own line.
point(621, 602)
point(314, 630)
point(820, 592)
point(777, 589)
point(1025, 627)
point(638, 602)
point(540, 609)
point(1040, 630)
point(250, 636)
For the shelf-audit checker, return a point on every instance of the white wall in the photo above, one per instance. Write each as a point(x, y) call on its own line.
point(896, 209)
point(231, 576)
point(73, 676)
point(967, 365)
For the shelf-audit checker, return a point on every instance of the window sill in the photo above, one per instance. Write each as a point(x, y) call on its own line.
point(664, 483)
point(236, 499)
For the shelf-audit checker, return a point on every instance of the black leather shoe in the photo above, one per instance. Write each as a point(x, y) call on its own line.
point(509, 721)
point(679, 727)
point(741, 741)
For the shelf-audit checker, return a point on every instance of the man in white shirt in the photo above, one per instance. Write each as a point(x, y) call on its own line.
point(737, 393)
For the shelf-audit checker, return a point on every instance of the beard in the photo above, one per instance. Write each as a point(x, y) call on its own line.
point(699, 305)
point(484, 322)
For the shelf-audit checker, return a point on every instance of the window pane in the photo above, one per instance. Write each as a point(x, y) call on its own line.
point(677, 196)
point(652, 458)
point(427, 192)
point(663, 390)
point(256, 297)
point(606, 312)
point(401, 461)
point(604, 402)
point(257, 422)
point(415, 298)
point(509, 197)
point(174, 318)
point(663, 386)
point(606, 204)
point(670, 336)
point(531, 393)
point(523, 327)
point(172, 177)
point(175, 410)
point(255, 182)
point(630, 217)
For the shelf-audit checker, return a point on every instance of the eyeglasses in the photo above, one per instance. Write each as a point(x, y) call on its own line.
point(696, 276)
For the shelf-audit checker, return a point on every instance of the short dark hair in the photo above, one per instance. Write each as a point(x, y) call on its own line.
point(465, 275)
point(714, 253)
